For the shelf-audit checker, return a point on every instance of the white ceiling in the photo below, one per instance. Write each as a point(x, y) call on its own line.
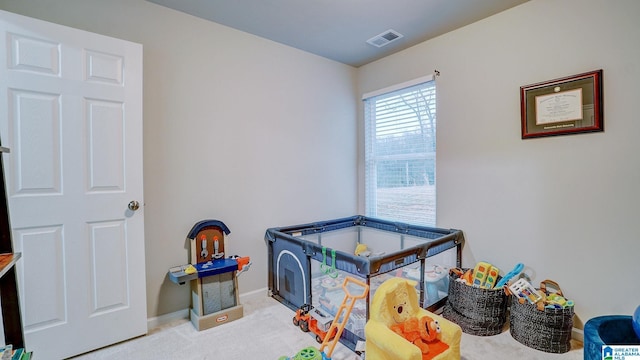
point(339, 29)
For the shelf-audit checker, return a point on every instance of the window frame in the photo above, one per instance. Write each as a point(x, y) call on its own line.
point(370, 190)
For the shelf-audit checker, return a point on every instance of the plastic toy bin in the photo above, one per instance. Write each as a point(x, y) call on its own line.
point(308, 262)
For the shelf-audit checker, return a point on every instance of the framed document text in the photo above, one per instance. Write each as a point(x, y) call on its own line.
point(569, 105)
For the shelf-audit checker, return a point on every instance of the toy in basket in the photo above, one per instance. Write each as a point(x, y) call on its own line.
point(541, 319)
point(525, 291)
point(475, 301)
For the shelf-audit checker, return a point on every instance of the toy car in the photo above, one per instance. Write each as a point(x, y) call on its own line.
point(315, 320)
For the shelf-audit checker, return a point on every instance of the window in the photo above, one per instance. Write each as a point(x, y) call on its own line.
point(400, 148)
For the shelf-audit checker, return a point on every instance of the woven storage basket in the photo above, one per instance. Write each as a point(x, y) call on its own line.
point(547, 330)
point(477, 311)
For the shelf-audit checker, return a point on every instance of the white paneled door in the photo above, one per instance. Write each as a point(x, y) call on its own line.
point(71, 114)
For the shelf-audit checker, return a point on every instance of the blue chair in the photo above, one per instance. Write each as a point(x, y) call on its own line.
point(607, 330)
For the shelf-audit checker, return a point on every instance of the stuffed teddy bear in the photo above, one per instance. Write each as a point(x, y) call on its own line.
point(422, 332)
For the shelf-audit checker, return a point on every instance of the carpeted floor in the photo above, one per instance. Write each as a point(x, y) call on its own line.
point(266, 333)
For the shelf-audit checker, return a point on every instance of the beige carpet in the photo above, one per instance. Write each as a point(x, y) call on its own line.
point(266, 333)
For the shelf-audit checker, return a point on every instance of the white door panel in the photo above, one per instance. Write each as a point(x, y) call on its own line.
point(72, 116)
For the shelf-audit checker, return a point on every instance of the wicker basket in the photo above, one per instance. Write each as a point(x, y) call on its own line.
point(477, 311)
point(547, 330)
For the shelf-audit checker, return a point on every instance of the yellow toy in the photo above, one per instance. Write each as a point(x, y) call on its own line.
point(399, 328)
point(362, 250)
point(480, 273)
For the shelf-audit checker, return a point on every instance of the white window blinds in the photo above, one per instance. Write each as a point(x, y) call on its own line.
point(400, 141)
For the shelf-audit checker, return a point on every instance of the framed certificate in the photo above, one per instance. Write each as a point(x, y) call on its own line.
point(569, 105)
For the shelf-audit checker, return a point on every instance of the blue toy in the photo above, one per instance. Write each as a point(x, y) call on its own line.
point(510, 275)
point(636, 321)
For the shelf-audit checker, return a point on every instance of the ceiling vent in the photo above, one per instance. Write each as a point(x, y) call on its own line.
point(385, 38)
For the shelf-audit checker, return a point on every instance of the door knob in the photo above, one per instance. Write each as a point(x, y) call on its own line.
point(133, 205)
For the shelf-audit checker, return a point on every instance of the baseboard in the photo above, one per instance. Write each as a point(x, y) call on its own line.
point(577, 334)
point(254, 294)
point(161, 320)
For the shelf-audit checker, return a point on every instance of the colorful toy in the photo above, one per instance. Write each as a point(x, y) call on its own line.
point(332, 335)
point(551, 299)
point(190, 269)
point(485, 275)
point(492, 278)
point(314, 320)
point(419, 331)
point(556, 299)
point(329, 270)
point(400, 329)
point(213, 277)
point(362, 250)
point(480, 273)
point(524, 290)
point(510, 275)
point(436, 280)
point(309, 353)
point(456, 271)
point(216, 247)
point(422, 331)
point(244, 263)
point(467, 277)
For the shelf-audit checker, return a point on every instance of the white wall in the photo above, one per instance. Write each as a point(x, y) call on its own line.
point(236, 128)
point(567, 207)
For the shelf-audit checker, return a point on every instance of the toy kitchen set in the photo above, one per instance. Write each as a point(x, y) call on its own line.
point(212, 276)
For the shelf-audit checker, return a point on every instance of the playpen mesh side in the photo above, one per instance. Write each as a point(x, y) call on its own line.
point(425, 242)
